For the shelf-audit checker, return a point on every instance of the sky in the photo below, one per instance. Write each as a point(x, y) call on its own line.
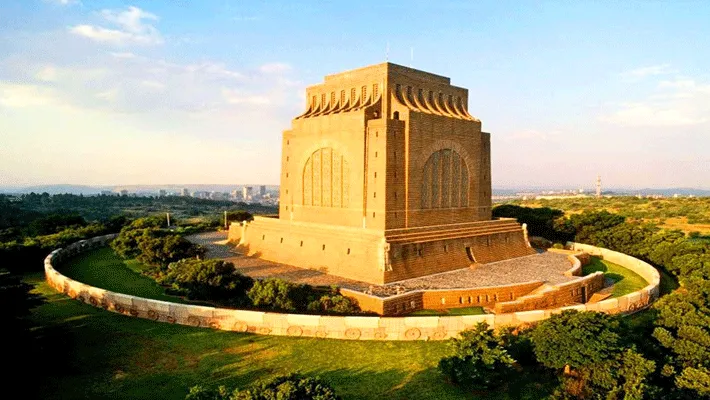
point(108, 92)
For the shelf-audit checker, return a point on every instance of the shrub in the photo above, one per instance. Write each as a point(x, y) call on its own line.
point(291, 387)
point(479, 359)
point(215, 280)
point(558, 246)
point(126, 243)
point(278, 294)
point(163, 250)
point(334, 304)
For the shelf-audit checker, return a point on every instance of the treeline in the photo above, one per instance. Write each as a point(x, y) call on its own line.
point(35, 224)
point(695, 209)
point(679, 322)
point(17, 210)
point(177, 263)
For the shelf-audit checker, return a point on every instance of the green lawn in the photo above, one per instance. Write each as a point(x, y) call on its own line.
point(625, 280)
point(99, 354)
point(451, 311)
point(92, 353)
point(104, 269)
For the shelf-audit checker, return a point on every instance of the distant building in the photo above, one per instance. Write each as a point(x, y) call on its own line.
point(107, 193)
point(124, 192)
point(162, 193)
point(599, 186)
point(185, 192)
point(247, 193)
point(262, 191)
point(219, 196)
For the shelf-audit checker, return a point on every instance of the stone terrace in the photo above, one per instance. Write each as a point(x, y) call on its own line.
point(547, 267)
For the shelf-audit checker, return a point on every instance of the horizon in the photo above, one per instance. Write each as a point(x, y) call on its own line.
point(148, 92)
point(8, 189)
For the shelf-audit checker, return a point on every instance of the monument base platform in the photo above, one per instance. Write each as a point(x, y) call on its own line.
point(381, 257)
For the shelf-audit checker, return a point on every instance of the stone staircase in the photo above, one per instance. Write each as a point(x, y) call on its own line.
point(602, 294)
point(451, 231)
point(490, 241)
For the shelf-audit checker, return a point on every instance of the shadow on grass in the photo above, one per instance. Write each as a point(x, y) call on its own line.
point(428, 383)
point(595, 265)
point(614, 277)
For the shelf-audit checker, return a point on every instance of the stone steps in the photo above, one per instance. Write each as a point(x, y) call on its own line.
point(441, 234)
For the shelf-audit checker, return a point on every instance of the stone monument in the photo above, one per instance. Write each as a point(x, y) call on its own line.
point(385, 177)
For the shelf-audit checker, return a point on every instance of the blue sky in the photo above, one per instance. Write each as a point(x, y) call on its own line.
point(147, 92)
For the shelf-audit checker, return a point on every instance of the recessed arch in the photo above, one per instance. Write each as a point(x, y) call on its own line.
point(445, 181)
point(325, 179)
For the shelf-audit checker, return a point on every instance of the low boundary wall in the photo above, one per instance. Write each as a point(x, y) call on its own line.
point(334, 327)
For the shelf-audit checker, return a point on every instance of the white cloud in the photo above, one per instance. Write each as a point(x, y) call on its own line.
point(124, 55)
point(236, 97)
point(153, 84)
point(47, 74)
point(22, 95)
point(679, 102)
point(131, 28)
point(63, 2)
point(645, 72)
point(275, 68)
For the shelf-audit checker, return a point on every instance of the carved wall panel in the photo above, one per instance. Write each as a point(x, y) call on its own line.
point(326, 179)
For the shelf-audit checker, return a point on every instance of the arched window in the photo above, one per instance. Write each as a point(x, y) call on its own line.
point(326, 179)
point(445, 181)
point(395, 115)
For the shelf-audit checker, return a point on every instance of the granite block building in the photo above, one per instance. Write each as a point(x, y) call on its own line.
point(385, 177)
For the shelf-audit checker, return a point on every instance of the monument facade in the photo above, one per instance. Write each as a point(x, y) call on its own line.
point(385, 177)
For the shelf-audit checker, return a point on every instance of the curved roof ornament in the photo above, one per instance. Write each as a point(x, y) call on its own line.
point(419, 105)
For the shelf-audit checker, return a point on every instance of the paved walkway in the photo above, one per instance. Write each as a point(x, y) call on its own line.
point(544, 266)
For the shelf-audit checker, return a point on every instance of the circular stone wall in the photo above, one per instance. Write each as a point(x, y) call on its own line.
point(333, 327)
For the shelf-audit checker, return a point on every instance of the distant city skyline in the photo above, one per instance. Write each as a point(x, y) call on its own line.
point(107, 91)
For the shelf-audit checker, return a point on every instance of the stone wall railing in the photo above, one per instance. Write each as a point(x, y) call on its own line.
point(335, 327)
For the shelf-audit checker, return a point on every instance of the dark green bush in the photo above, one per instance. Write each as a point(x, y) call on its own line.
point(334, 304)
point(478, 359)
point(214, 280)
point(278, 294)
point(290, 387)
point(163, 250)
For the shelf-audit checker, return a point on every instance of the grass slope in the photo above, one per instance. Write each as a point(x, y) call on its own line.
point(104, 269)
point(92, 353)
point(625, 280)
point(98, 354)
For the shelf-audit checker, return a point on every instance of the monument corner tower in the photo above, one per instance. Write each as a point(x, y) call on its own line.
point(384, 177)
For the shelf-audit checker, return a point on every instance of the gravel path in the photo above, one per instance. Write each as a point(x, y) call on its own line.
point(545, 266)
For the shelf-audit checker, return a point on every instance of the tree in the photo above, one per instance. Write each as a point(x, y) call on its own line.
point(239, 215)
point(126, 243)
point(687, 265)
point(683, 327)
point(576, 339)
point(541, 221)
point(162, 250)
point(588, 223)
point(213, 280)
point(588, 346)
point(478, 359)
